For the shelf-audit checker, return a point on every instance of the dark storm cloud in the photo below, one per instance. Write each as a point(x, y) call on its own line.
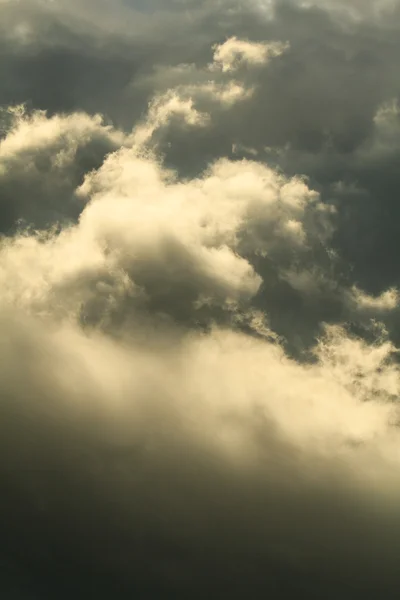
point(74, 56)
point(159, 434)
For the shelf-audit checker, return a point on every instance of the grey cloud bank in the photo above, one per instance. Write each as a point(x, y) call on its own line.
point(199, 305)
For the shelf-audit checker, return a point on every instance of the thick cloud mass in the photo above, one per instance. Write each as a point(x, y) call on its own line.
point(199, 305)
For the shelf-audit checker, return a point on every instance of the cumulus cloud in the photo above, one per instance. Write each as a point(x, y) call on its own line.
point(180, 244)
point(161, 112)
point(233, 53)
point(196, 96)
point(120, 383)
point(43, 159)
point(388, 300)
point(199, 365)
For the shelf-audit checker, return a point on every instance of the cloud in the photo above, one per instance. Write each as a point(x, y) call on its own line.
point(164, 108)
point(152, 384)
point(190, 93)
point(42, 160)
point(153, 238)
point(386, 301)
point(199, 365)
point(205, 452)
point(233, 53)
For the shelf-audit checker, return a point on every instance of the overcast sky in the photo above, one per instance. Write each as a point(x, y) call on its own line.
point(200, 305)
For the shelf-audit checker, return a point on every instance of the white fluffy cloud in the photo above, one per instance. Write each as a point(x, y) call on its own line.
point(144, 236)
point(150, 244)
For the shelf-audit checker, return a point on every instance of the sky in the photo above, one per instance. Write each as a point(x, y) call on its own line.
point(200, 305)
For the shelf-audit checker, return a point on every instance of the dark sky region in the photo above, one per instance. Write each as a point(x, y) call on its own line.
point(199, 307)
